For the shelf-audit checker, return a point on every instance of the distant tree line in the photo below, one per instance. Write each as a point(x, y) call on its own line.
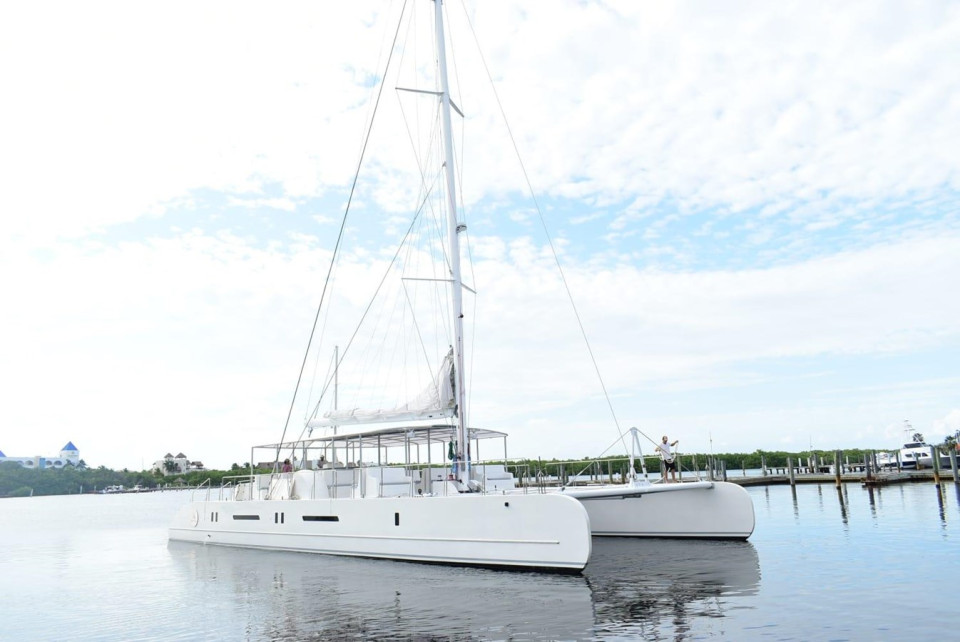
point(17, 481)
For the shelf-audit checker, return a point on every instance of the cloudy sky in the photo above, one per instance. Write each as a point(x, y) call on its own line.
point(755, 206)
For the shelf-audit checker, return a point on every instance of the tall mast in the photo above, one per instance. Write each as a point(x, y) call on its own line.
point(453, 230)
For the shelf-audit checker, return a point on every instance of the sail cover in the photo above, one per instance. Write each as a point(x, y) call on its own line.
point(435, 402)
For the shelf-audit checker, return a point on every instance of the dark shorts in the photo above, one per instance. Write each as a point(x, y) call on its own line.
point(670, 465)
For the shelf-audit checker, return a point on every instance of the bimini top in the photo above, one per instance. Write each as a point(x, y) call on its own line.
point(390, 437)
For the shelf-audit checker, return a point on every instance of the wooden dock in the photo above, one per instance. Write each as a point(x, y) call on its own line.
point(875, 479)
point(815, 470)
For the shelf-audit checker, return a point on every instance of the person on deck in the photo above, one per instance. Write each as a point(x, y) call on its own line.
point(287, 466)
point(666, 454)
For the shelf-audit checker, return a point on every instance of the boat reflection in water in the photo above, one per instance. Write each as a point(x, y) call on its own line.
point(294, 596)
point(630, 587)
point(641, 586)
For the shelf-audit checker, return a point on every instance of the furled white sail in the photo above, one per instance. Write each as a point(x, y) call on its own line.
point(435, 402)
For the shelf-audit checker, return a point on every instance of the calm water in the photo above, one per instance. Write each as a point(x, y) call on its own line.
point(823, 564)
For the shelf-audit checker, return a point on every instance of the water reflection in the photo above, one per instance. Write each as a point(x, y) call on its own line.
point(943, 512)
point(640, 587)
point(843, 505)
point(871, 498)
point(631, 587)
point(290, 596)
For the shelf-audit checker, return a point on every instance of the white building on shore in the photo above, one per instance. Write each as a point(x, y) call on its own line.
point(180, 464)
point(69, 456)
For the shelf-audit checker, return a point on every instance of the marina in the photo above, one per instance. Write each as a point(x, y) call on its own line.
point(816, 547)
point(374, 237)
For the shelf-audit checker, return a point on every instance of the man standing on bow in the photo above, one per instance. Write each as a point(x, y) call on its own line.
point(666, 454)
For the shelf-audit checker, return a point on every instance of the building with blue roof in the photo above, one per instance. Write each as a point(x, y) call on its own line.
point(69, 456)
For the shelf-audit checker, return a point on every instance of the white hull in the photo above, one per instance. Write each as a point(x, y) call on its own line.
point(913, 456)
point(544, 532)
point(709, 510)
point(927, 462)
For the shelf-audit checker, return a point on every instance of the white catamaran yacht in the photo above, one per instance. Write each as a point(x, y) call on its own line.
point(635, 508)
point(370, 509)
point(418, 486)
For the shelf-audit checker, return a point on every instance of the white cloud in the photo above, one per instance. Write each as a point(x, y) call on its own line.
point(690, 334)
point(823, 119)
point(947, 425)
point(746, 105)
point(119, 109)
point(115, 109)
point(178, 344)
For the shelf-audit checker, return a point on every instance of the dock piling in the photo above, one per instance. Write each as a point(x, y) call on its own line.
point(837, 470)
point(935, 460)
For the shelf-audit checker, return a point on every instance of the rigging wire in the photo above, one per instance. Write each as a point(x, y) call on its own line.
point(371, 111)
point(316, 363)
point(428, 189)
point(437, 226)
point(336, 247)
point(546, 232)
point(369, 305)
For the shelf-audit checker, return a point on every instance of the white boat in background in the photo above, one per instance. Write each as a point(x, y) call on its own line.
point(371, 509)
point(914, 454)
point(923, 456)
point(886, 460)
